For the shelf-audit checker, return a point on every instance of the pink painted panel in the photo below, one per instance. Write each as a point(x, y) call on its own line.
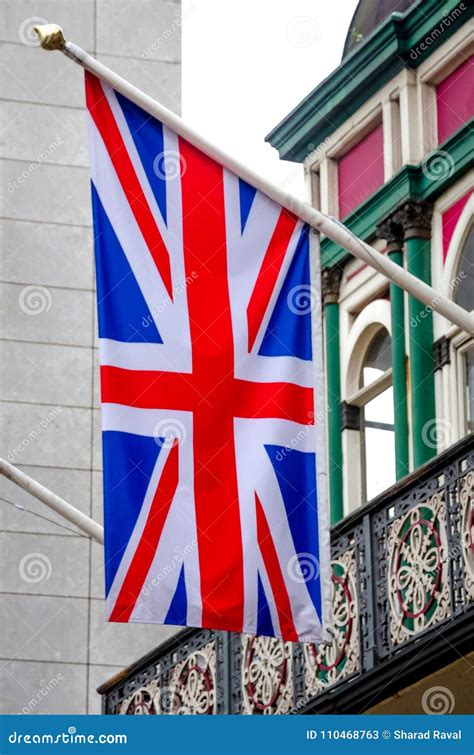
point(360, 171)
point(455, 99)
point(450, 220)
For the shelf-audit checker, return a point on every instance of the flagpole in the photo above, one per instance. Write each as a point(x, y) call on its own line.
point(53, 501)
point(52, 38)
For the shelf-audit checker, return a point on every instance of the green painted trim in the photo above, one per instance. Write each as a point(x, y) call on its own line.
point(422, 387)
point(399, 375)
point(410, 182)
point(392, 46)
point(333, 388)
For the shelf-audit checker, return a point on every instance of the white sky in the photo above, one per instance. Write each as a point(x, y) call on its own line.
point(247, 63)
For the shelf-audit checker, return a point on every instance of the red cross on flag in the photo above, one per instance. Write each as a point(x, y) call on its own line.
point(212, 395)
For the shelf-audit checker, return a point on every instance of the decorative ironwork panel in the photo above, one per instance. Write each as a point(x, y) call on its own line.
point(325, 665)
point(144, 702)
point(186, 680)
point(418, 570)
point(136, 695)
point(466, 500)
point(423, 550)
point(192, 687)
point(267, 675)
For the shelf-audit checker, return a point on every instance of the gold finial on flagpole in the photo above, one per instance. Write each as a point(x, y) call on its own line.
point(50, 36)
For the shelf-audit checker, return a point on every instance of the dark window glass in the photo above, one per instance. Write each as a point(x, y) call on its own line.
point(464, 295)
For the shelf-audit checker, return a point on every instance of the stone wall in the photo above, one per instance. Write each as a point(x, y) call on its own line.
point(55, 646)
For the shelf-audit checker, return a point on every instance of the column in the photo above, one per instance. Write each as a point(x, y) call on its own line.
point(330, 284)
point(392, 232)
point(415, 217)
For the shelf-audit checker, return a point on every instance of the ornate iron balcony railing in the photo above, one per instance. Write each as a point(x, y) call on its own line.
point(403, 596)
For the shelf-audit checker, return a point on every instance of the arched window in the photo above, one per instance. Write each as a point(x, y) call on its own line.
point(463, 293)
point(464, 296)
point(367, 412)
point(375, 398)
point(377, 358)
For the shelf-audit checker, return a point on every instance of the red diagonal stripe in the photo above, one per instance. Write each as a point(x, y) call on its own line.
point(277, 582)
point(103, 117)
point(148, 543)
point(268, 274)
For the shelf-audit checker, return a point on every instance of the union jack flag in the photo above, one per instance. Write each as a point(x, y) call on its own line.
point(209, 341)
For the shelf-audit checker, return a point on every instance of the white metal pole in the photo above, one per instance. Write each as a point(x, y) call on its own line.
point(52, 38)
point(73, 515)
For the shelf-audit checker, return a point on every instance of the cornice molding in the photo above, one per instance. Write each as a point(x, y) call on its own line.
point(386, 51)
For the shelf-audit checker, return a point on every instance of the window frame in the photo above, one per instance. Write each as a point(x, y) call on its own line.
point(451, 409)
point(431, 72)
point(362, 398)
point(375, 316)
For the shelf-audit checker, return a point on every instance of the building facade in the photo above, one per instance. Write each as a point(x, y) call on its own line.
point(387, 145)
point(55, 646)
